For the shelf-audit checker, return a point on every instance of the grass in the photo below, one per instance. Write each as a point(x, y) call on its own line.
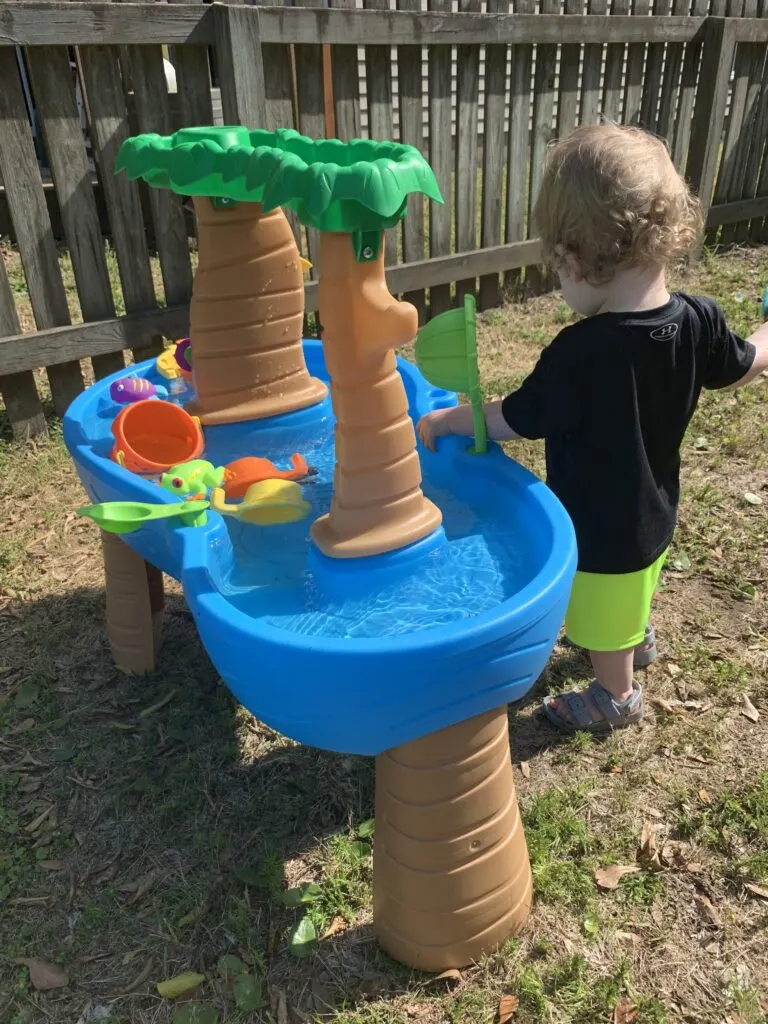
point(150, 826)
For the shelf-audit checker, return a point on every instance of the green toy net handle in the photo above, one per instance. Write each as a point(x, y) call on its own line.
point(476, 397)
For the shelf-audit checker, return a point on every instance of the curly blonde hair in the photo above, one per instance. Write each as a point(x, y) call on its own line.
point(610, 197)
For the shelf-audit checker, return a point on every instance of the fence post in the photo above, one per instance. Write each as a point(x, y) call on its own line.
point(709, 110)
point(240, 65)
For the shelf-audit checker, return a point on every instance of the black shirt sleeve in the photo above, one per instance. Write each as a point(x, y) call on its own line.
point(546, 403)
point(730, 357)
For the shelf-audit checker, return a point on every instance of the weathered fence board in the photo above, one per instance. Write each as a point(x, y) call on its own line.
point(410, 102)
point(378, 64)
point(615, 55)
point(309, 99)
point(194, 86)
point(88, 24)
point(18, 390)
point(592, 73)
point(108, 127)
point(570, 68)
point(521, 61)
point(493, 157)
point(153, 115)
point(469, 28)
point(346, 85)
point(24, 187)
point(670, 85)
point(467, 97)
point(57, 109)
point(543, 113)
point(744, 98)
point(689, 78)
point(709, 111)
point(440, 157)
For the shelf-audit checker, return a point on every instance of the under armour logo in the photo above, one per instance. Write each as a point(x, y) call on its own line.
point(664, 333)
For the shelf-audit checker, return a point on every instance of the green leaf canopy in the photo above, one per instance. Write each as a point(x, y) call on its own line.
point(353, 187)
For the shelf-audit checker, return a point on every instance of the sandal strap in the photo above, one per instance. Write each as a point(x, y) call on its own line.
point(578, 707)
point(611, 710)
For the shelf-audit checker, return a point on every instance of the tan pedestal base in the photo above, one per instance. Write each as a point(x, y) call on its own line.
point(135, 601)
point(451, 874)
point(379, 537)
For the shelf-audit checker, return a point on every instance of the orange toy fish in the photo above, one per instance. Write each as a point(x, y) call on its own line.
point(242, 473)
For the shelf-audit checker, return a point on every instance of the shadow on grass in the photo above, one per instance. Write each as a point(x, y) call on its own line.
point(175, 820)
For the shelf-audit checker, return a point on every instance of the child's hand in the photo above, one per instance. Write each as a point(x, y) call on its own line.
point(437, 424)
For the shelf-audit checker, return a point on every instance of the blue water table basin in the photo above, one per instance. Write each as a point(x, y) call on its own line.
point(358, 660)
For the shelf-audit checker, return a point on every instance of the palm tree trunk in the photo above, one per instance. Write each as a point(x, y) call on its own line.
point(451, 875)
point(246, 317)
point(378, 504)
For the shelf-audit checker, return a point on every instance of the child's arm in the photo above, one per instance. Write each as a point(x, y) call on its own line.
point(458, 421)
point(760, 340)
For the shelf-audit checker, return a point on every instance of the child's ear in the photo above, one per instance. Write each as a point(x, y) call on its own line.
point(572, 268)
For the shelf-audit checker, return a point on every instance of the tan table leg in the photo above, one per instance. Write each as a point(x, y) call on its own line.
point(135, 601)
point(451, 874)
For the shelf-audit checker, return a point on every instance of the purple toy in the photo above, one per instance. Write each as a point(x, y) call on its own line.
point(183, 355)
point(134, 389)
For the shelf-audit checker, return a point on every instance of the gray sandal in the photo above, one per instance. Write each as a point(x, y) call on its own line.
point(581, 706)
point(645, 652)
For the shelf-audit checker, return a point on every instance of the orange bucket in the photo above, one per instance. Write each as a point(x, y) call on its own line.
point(151, 436)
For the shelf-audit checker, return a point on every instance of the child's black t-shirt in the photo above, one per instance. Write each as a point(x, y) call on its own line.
point(613, 395)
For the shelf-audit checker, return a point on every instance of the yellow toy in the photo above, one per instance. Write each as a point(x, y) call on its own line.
point(167, 366)
point(266, 503)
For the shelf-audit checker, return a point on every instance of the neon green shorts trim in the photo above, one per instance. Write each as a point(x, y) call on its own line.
point(610, 612)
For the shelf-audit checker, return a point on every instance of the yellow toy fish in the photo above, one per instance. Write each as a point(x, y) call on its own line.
point(304, 264)
point(167, 366)
point(266, 503)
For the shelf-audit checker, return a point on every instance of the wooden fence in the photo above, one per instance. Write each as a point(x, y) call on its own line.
point(543, 73)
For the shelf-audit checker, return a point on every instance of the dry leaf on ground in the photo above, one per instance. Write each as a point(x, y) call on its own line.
point(44, 976)
point(648, 854)
point(625, 1012)
point(140, 886)
point(757, 890)
point(525, 768)
point(675, 854)
point(667, 706)
point(337, 925)
point(172, 988)
point(704, 796)
point(749, 710)
point(507, 1008)
point(610, 876)
point(35, 824)
point(451, 976)
point(709, 916)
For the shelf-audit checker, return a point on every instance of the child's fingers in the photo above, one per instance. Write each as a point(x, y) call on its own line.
point(426, 434)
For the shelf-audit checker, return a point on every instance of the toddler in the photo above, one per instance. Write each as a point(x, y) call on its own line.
point(612, 395)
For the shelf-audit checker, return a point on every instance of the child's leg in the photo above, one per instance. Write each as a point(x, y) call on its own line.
point(613, 670)
point(607, 615)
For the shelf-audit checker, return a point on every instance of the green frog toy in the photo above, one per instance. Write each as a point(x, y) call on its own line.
point(192, 480)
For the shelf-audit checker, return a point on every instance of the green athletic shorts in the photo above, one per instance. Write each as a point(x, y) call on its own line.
point(610, 612)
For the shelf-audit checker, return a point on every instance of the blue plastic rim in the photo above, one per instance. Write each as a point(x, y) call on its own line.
point(354, 695)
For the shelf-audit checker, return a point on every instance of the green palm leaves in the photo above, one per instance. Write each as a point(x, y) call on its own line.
point(353, 187)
